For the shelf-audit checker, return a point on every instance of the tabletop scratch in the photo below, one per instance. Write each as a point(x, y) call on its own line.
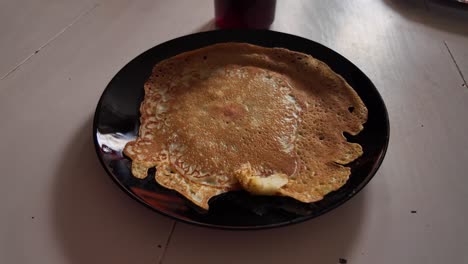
point(456, 64)
point(80, 16)
point(168, 241)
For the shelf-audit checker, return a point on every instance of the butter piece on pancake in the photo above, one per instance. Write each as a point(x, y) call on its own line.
point(252, 182)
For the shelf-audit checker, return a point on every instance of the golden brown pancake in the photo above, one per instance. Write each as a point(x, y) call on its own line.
point(237, 116)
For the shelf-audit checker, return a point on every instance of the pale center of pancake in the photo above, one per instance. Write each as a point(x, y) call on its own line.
point(233, 116)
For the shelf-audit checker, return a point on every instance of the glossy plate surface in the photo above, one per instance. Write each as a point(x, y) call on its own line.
point(116, 122)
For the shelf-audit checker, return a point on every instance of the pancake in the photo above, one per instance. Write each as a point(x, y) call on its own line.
point(237, 116)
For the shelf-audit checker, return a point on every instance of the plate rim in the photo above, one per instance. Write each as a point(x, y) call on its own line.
point(298, 220)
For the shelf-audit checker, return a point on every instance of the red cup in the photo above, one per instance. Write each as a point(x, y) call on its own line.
point(258, 14)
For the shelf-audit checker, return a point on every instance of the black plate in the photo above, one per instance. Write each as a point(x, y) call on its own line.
point(116, 121)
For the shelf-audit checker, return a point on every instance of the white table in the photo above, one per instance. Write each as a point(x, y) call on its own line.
point(58, 205)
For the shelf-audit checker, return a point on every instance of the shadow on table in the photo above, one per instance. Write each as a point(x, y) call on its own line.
point(326, 239)
point(208, 26)
point(94, 220)
point(444, 17)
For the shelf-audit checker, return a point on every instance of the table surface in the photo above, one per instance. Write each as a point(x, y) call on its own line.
point(59, 206)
